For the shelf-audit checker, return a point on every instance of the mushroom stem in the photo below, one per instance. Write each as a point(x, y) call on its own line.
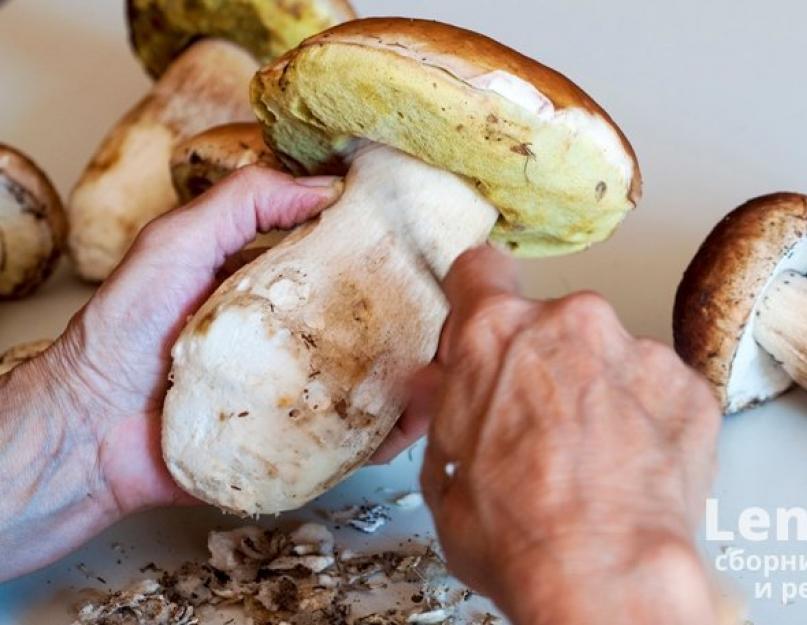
point(128, 181)
point(781, 324)
point(313, 342)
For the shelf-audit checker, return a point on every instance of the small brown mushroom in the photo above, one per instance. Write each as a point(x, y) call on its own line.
point(32, 225)
point(201, 161)
point(739, 311)
point(203, 55)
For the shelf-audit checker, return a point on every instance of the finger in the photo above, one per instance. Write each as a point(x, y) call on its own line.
point(478, 276)
point(479, 273)
point(425, 390)
point(226, 218)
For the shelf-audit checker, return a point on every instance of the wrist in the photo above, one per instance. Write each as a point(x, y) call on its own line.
point(55, 385)
point(641, 578)
point(55, 496)
point(131, 473)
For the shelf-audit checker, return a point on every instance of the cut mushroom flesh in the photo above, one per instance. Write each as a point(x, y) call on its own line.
point(781, 323)
point(327, 326)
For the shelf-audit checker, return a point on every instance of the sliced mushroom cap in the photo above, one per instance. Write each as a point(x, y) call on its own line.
point(719, 297)
point(201, 161)
point(160, 30)
point(561, 173)
point(20, 353)
point(32, 224)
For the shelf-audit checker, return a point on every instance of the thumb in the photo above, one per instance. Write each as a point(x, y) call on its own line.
point(477, 274)
point(475, 282)
point(425, 390)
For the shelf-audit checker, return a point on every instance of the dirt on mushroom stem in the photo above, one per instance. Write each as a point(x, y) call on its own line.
point(354, 297)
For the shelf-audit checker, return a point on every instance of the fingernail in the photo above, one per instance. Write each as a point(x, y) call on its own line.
point(321, 182)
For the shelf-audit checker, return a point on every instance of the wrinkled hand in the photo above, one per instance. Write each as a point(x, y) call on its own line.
point(567, 462)
point(119, 345)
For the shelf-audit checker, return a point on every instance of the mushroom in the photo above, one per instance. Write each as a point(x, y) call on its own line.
point(739, 306)
point(201, 161)
point(203, 55)
point(32, 225)
point(205, 159)
point(20, 353)
point(293, 372)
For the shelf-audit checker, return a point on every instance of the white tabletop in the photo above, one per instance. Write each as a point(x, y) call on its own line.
point(712, 95)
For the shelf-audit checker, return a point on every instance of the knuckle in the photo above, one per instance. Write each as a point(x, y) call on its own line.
point(495, 312)
point(247, 176)
point(587, 306)
point(656, 351)
point(153, 232)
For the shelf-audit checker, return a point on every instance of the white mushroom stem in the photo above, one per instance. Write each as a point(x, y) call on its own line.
point(781, 324)
point(294, 371)
point(128, 182)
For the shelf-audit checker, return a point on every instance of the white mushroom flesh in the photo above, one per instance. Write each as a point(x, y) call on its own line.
point(755, 375)
point(524, 94)
point(781, 323)
point(294, 371)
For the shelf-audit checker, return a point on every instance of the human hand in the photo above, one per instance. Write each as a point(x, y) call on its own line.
point(118, 347)
point(567, 462)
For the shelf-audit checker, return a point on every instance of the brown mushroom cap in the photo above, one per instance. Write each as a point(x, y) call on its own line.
point(33, 227)
point(561, 173)
point(160, 30)
point(712, 319)
point(201, 161)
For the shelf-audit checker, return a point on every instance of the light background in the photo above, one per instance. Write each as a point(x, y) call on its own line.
point(712, 94)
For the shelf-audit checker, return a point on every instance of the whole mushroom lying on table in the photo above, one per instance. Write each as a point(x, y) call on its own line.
point(203, 55)
point(32, 225)
point(293, 372)
point(739, 310)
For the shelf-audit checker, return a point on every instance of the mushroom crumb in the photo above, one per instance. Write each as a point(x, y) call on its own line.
point(297, 577)
point(409, 501)
point(369, 519)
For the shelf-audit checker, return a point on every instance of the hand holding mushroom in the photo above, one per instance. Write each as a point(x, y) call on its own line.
point(739, 311)
point(83, 417)
point(293, 372)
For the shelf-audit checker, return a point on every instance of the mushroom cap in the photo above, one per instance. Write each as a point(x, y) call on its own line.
point(20, 353)
point(161, 29)
point(33, 227)
point(562, 175)
point(713, 319)
point(201, 161)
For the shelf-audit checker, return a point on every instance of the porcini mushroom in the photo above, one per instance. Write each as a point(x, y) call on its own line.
point(201, 161)
point(739, 308)
point(203, 55)
point(18, 354)
point(292, 373)
point(32, 224)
